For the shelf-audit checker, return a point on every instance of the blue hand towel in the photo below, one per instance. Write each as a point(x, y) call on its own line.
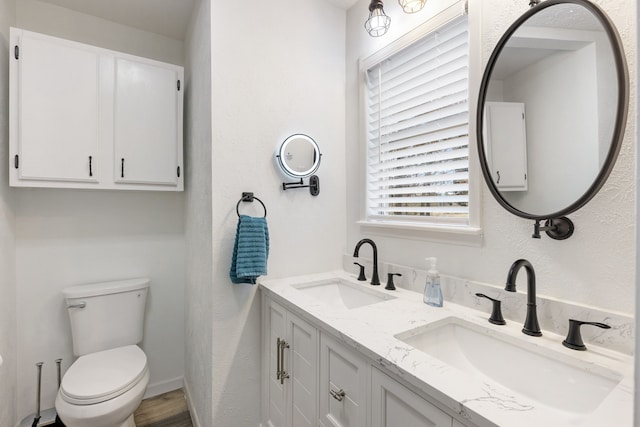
point(250, 250)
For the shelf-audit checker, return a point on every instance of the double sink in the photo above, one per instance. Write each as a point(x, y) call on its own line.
point(546, 377)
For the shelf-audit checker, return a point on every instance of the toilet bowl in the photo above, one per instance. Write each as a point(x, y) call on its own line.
point(105, 385)
point(103, 389)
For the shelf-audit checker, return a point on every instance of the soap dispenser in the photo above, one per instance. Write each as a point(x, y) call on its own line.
point(432, 289)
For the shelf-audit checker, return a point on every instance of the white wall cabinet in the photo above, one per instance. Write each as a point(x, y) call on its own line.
point(343, 385)
point(290, 351)
point(326, 384)
point(86, 117)
point(506, 147)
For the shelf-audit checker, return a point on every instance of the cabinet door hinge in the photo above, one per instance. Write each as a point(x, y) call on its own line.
point(178, 84)
point(16, 161)
point(16, 51)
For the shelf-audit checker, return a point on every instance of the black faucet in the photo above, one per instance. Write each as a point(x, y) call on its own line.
point(375, 281)
point(531, 326)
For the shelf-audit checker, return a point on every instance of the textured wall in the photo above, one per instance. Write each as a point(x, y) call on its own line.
point(198, 289)
point(8, 377)
point(596, 266)
point(278, 69)
point(57, 21)
point(69, 237)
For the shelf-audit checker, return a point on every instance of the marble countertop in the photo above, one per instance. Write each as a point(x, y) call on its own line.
point(371, 331)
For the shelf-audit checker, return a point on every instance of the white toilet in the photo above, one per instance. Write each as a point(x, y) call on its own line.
point(105, 385)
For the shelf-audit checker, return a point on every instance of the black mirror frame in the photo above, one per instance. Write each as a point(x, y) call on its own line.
point(622, 74)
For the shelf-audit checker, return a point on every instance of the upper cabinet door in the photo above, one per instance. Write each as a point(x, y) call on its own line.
point(147, 122)
point(58, 97)
point(507, 144)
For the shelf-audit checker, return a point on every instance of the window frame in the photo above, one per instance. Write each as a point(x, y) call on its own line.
point(466, 234)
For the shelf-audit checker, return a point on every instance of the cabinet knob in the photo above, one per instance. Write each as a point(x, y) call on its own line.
point(337, 395)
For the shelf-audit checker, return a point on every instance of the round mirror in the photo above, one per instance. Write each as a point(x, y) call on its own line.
point(552, 109)
point(299, 156)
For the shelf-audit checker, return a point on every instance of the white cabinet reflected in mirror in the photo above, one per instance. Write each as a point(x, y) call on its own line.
point(506, 144)
point(299, 157)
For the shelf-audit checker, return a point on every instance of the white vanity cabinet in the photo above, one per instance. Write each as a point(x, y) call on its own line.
point(87, 117)
point(290, 351)
point(394, 405)
point(309, 378)
point(343, 385)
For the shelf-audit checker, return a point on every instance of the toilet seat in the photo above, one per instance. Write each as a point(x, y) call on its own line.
point(101, 376)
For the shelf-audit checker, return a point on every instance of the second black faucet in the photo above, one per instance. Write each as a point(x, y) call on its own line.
point(531, 326)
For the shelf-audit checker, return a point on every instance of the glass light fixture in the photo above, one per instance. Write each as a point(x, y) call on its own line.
point(412, 6)
point(378, 22)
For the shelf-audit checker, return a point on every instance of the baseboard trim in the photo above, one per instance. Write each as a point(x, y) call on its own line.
point(194, 415)
point(162, 387)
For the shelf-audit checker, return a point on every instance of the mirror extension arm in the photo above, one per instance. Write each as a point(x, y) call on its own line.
point(314, 185)
point(556, 228)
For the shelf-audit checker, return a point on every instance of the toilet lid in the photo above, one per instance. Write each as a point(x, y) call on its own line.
point(101, 376)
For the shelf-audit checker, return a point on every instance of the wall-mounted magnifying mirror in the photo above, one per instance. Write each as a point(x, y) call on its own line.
point(299, 157)
point(552, 111)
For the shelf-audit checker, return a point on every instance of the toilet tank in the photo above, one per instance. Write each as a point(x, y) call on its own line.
point(106, 315)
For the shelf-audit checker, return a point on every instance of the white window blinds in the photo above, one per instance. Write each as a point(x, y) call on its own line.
point(417, 130)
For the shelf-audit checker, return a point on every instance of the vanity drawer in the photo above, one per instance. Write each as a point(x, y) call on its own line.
point(392, 404)
point(343, 385)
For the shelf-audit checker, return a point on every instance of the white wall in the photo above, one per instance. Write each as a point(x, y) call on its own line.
point(8, 336)
point(199, 258)
point(70, 237)
point(57, 21)
point(594, 267)
point(568, 82)
point(278, 69)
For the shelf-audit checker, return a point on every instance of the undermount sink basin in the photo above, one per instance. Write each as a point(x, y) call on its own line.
point(337, 292)
point(529, 370)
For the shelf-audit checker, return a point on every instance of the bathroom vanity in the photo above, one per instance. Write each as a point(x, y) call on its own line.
point(339, 352)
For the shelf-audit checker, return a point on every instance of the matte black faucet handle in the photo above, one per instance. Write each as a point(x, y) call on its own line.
point(496, 311)
point(574, 337)
point(390, 285)
point(361, 276)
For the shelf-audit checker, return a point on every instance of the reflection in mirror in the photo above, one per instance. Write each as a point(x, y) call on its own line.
point(299, 156)
point(553, 109)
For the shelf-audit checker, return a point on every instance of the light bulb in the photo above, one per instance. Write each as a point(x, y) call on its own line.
point(412, 6)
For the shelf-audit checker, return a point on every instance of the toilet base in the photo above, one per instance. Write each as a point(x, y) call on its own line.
point(129, 422)
point(105, 414)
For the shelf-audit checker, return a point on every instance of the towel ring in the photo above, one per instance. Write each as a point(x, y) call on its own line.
point(249, 197)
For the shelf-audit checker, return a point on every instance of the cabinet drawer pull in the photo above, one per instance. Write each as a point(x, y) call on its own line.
point(281, 374)
point(278, 362)
point(337, 395)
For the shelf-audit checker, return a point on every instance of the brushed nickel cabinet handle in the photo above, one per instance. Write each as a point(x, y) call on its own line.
point(278, 368)
point(337, 395)
point(282, 374)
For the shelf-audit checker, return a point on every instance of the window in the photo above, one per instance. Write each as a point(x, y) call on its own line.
point(417, 131)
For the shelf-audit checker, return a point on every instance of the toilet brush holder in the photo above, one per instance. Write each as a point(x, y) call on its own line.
point(47, 418)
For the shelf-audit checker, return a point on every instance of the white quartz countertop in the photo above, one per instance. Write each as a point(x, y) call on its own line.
point(371, 331)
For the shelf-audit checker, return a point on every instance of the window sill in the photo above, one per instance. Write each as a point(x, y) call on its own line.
point(452, 234)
